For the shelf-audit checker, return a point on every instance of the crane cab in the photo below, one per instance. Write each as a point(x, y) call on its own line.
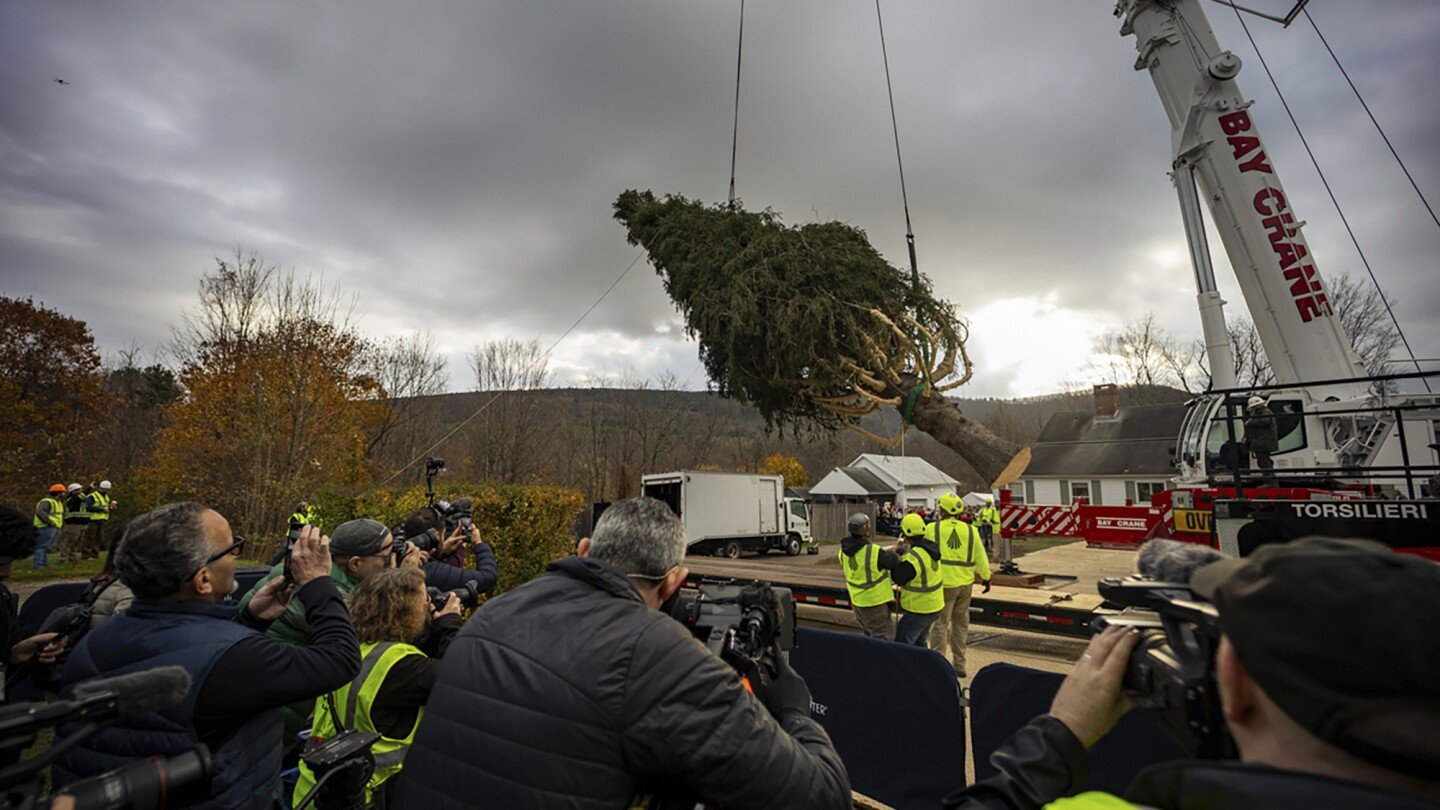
point(1204, 452)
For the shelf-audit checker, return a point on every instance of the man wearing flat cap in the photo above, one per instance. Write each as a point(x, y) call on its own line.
point(1327, 674)
point(358, 549)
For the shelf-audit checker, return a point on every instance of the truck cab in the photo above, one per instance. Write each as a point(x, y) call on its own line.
point(797, 523)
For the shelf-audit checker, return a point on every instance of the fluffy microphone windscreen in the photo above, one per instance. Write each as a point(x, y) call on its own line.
point(148, 690)
point(1174, 561)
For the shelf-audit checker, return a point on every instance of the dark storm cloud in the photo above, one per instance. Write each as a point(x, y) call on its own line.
point(453, 164)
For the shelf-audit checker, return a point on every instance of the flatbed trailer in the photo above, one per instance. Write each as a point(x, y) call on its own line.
point(1037, 611)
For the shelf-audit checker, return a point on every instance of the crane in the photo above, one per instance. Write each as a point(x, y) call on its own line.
point(1326, 407)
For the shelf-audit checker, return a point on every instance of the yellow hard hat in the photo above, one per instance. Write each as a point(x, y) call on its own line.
point(912, 525)
point(950, 502)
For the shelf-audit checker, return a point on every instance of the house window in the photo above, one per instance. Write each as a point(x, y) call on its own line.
point(1078, 489)
point(1017, 492)
point(1145, 489)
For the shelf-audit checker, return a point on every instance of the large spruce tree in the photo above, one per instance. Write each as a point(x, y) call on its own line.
point(809, 323)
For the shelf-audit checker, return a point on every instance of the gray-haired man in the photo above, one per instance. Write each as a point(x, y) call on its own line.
point(179, 560)
point(576, 691)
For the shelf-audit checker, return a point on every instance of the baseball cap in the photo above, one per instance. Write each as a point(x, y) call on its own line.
point(358, 538)
point(1338, 634)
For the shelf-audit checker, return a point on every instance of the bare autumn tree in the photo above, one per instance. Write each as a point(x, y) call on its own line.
point(510, 439)
point(1362, 313)
point(277, 401)
point(140, 394)
point(406, 369)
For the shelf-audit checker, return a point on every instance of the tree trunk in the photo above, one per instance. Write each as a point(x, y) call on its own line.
point(974, 442)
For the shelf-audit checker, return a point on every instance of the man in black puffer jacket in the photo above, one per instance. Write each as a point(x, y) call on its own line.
point(576, 691)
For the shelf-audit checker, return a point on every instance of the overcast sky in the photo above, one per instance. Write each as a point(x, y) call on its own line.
point(454, 164)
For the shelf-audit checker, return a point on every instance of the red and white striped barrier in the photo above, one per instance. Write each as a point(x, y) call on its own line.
point(1021, 520)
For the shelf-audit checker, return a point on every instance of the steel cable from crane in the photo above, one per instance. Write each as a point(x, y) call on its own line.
point(1326, 183)
point(1378, 128)
point(735, 128)
point(497, 395)
point(900, 164)
point(905, 203)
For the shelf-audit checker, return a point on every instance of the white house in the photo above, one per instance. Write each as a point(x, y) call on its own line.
point(1106, 458)
point(907, 481)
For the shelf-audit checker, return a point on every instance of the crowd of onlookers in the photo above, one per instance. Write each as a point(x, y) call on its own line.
point(579, 689)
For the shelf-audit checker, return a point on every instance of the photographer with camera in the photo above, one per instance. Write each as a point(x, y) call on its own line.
point(180, 561)
point(443, 561)
point(578, 690)
point(392, 612)
point(358, 549)
point(1326, 675)
point(17, 541)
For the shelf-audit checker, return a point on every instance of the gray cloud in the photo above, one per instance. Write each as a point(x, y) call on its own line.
point(453, 164)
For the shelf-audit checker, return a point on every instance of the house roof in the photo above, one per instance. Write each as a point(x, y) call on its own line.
point(852, 481)
point(1135, 441)
point(903, 471)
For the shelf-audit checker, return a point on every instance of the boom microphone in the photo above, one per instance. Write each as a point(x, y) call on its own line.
point(1174, 561)
point(149, 690)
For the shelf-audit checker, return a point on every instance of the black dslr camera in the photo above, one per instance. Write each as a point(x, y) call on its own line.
point(1172, 670)
point(739, 622)
point(468, 594)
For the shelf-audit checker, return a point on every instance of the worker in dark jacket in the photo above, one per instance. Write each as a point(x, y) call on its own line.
point(867, 569)
point(180, 560)
point(1326, 681)
point(1262, 437)
point(575, 691)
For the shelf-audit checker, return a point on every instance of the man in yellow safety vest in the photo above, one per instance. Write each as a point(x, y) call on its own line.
point(49, 517)
point(962, 559)
point(867, 569)
point(97, 507)
point(989, 520)
point(920, 579)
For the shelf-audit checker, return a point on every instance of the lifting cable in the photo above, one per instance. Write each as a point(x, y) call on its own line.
point(895, 129)
point(1343, 219)
point(920, 386)
point(544, 356)
point(735, 130)
point(1361, 99)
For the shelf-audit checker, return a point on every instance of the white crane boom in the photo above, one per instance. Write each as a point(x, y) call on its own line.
point(1217, 144)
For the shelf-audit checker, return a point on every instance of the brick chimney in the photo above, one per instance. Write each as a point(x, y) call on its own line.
point(1107, 399)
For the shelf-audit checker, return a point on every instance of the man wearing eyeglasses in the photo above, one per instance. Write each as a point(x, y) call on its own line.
point(180, 561)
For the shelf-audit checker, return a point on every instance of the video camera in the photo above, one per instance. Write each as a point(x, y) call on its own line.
point(468, 594)
point(740, 622)
point(343, 765)
point(86, 709)
point(1172, 669)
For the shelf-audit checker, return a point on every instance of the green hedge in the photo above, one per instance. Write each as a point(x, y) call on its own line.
point(528, 526)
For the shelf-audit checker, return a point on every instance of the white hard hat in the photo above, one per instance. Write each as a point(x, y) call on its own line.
point(1255, 402)
point(74, 488)
point(104, 484)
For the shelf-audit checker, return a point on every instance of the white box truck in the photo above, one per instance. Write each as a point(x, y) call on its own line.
point(727, 513)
